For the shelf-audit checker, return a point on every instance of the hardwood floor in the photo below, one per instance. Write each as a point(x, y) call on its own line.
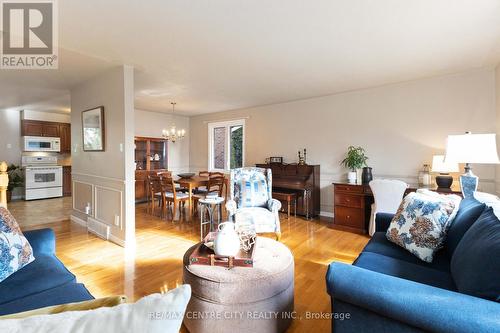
point(156, 263)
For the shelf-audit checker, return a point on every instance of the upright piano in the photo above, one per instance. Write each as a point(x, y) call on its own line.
point(304, 180)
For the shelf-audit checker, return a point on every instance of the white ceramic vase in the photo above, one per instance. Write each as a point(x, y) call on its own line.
point(227, 242)
point(352, 176)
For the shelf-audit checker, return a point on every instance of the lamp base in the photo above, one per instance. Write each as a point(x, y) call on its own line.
point(468, 184)
point(444, 181)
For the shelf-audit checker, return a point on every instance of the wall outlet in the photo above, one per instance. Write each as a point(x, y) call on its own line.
point(117, 220)
point(9, 146)
point(121, 147)
point(88, 209)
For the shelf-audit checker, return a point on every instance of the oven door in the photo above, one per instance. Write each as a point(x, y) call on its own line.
point(43, 177)
point(38, 143)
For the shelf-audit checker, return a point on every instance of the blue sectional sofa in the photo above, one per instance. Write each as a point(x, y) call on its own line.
point(44, 282)
point(387, 289)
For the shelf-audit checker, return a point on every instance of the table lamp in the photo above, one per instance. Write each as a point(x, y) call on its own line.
point(443, 180)
point(471, 148)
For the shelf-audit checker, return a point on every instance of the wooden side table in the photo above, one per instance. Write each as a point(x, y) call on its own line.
point(288, 197)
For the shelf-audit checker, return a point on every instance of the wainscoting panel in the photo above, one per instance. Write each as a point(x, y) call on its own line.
point(83, 196)
point(106, 196)
point(109, 207)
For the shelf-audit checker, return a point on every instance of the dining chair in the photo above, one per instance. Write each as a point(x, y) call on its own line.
point(388, 194)
point(215, 184)
point(155, 192)
point(171, 195)
point(201, 189)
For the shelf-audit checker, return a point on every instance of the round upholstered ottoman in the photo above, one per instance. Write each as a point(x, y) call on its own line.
point(242, 299)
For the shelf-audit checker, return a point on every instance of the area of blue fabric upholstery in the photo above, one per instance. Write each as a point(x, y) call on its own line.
point(382, 221)
point(68, 293)
point(43, 282)
point(44, 273)
point(475, 265)
point(415, 304)
point(379, 244)
point(467, 214)
point(43, 241)
point(405, 270)
point(362, 320)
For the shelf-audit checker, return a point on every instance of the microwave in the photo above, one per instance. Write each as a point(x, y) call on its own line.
point(41, 143)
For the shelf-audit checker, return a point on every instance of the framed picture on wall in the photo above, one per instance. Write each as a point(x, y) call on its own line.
point(93, 129)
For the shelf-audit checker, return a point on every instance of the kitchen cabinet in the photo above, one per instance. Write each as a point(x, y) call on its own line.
point(67, 183)
point(65, 136)
point(40, 128)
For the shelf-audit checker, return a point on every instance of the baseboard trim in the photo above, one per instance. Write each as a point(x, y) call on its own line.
point(116, 240)
point(78, 220)
point(326, 214)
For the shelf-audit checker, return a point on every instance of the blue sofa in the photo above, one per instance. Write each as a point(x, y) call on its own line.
point(387, 289)
point(43, 282)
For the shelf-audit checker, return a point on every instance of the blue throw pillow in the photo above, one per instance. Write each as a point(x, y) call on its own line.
point(475, 264)
point(15, 250)
point(469, 211)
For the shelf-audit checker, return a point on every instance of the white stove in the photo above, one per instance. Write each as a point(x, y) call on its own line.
point(43, 177)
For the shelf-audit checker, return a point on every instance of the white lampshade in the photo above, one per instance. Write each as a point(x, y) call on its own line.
point(472, 148)
point(439, 165)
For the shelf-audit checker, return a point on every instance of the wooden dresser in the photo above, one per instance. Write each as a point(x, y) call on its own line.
point(352, 207)
point(352, 204)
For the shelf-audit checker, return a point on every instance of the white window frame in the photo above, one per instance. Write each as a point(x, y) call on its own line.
point(227, 125)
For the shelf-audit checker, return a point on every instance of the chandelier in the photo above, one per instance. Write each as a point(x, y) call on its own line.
point(173, 133)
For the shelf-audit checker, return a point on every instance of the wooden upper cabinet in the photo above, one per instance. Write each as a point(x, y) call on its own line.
point(65, 135)
point(40, 128)
point(32, 128)
point(50, 129)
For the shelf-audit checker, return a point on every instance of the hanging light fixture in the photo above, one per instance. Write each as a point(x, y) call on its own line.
point(173, 133)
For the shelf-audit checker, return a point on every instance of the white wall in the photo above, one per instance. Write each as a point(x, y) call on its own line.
point(57, 117)
point(497, 87)
point(151, 124)
point(401, 126)
point(106, 178)
point(10, 136)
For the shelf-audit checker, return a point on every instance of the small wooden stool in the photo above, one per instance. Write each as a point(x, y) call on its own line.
point(288, 197)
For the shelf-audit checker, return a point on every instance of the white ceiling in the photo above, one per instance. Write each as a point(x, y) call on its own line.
point(223, 54)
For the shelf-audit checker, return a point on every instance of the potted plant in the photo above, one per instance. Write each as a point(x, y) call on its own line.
point(355, 159)
point(16, 179)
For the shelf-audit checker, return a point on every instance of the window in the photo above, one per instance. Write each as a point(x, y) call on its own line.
point(226, 142)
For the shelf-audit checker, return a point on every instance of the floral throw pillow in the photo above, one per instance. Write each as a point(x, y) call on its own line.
point(422, 221)
point(15, 250)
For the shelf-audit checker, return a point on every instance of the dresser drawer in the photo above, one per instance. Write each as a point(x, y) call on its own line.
point(350, 217)
point(347, 200)
point(349, 188)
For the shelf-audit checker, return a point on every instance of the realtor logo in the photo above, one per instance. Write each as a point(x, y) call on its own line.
point(29, 34)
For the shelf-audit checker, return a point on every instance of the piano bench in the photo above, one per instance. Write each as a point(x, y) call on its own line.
point(287, 197)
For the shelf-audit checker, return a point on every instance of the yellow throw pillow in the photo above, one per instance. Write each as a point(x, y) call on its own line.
point(105, 302)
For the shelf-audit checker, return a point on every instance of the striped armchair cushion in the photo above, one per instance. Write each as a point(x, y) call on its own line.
point(253, 193)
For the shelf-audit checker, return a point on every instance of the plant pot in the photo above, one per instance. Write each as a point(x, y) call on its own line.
point(352, 176)
point(367, 176)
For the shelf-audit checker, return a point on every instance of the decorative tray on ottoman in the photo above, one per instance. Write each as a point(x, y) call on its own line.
point(205, 255)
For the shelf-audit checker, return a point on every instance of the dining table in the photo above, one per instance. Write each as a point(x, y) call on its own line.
point(194, 182)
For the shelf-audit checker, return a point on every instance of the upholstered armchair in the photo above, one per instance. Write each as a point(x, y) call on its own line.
point(250, 200)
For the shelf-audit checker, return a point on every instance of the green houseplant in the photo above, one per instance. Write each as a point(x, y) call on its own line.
point(16, 179)
point(355, 159)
